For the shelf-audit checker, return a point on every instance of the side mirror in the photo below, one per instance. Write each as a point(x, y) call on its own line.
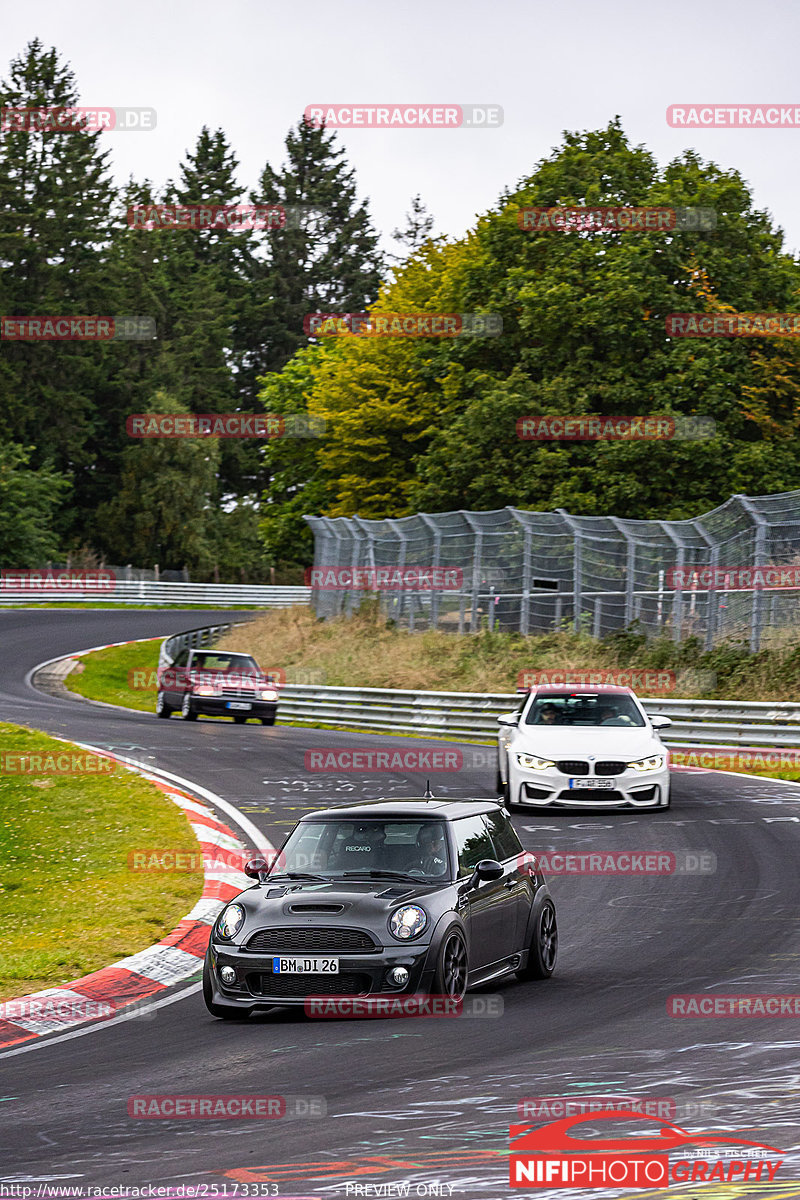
point(508, 719)
point(255, 868)
point(486, 870)
point(660, 722)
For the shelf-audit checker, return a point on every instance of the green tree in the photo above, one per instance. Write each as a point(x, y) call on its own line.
point(55, 228)
point(164, 512)
point(28, 500)
point(326, 259)
point(427, 424)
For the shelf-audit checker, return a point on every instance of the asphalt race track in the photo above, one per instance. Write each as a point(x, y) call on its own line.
point(422, 1101)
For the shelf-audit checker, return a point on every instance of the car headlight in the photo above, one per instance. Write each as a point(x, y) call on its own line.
point(407, 922)
point(534, 763)
point(654, 763)
point(269, 694)
point(204, 689)
point(231, 920)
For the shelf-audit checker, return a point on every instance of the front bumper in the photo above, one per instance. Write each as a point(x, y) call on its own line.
point(551, 789)
point(218, 706)
point(359, 975)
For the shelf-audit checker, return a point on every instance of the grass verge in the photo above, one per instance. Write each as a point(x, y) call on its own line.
point(68, 902)
point(123, 675)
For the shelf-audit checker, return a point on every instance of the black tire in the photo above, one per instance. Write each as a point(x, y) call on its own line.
point(187, 712)
point(452, 968)
point(543, 951)
point(162, 708)
point(239, 718)
point(268, 720)
point(225, 1012)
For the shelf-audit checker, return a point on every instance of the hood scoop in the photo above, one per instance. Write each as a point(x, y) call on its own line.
point(394, 893)
point(273, 892)
point(316, 908)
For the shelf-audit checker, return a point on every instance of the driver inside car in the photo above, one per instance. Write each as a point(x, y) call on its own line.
point(433, 854)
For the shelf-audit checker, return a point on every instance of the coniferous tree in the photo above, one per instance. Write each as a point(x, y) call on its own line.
point(325, 259)
point(55, 213)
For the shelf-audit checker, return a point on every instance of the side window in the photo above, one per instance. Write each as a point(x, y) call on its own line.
point(504, 836)
point(472, 843)
point(182, 658)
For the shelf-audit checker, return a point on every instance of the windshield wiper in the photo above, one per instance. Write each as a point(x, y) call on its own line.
point(300, 875)
point(384, 875)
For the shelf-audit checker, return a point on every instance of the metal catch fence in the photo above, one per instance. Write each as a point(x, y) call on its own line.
point(535, 572)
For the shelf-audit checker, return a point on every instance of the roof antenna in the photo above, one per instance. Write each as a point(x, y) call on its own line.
point(428, 793)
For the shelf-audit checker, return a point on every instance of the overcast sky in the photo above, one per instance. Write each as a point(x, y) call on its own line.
point(251, 67)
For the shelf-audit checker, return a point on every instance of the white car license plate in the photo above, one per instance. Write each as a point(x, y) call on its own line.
point(239, 704)
point(305, 966)
point(593, 784)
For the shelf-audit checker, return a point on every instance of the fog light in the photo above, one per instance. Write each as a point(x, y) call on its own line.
point(227, 975)
point(398, 976)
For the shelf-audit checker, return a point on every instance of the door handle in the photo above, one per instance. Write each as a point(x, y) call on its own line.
point(510, 883)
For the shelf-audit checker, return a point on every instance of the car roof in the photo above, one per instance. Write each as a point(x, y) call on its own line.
point(409, 807)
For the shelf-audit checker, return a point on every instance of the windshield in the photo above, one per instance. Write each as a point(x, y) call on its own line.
point(240, 664)
point(338, 849)
point(584, 709)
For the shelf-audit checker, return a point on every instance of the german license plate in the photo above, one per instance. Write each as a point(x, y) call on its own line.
point(239, 704)
point(593, 784)
point(305, 966)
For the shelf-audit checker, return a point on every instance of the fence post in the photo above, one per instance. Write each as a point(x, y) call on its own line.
point(476, 568)
point(437, 558)
point(760, 556)
point(577, 568)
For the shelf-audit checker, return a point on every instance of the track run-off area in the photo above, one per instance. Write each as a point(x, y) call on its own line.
point(426, 1102)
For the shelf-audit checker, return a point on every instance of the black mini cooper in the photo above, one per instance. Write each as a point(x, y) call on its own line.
point(391, 897)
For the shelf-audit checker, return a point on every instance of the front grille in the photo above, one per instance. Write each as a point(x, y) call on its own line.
point(598, 796)
point(245, 693)
point(609, 768)
point(349, 983)
point(319, 938)
point(573, 766)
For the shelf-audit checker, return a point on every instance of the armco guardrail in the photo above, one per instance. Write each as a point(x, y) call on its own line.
point(149, 592)
point(468, 715)
point(171, 647)
point(472, 716)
